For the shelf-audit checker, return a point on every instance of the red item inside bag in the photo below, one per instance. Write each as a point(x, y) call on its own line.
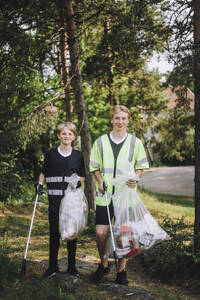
point(125, 229)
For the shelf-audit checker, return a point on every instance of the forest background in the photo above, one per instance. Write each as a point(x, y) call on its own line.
point(59, 67)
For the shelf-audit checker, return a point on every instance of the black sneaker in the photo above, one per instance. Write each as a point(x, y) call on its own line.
point(100, 272)
point(72, 271)
point(122, 278)
point(50, 272)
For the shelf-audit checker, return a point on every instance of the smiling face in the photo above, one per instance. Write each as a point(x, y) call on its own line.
point(66, 136)
point(120, 121)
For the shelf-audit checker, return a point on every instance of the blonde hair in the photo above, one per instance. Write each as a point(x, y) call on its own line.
point(69, 125)
point(117, 108)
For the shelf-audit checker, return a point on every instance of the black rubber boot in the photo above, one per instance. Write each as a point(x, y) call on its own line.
point(71, 248)
point(122, 278)
point(100, 272)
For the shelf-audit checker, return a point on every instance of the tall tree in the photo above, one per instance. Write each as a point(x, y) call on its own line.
point(109, 63)
point(83, 128)
point(179, 18)
point(116, 45)
point(64, 62)
point(125, 35)
point(185, 19)
point(196, 4)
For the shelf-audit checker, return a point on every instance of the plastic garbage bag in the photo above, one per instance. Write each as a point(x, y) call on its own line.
point(134, 230)
point(73, 210)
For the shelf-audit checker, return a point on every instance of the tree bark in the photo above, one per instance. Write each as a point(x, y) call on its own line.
point(196, 4)
point(79, 97)
point(110, 67)
point(63, 59)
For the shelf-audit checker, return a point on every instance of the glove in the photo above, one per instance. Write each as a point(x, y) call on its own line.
point(39, 188)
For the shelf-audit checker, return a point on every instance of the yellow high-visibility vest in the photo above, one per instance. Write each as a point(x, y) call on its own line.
point(102, 159)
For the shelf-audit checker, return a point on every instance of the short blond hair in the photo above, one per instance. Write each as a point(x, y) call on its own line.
point(117, 108)
point(69, 125)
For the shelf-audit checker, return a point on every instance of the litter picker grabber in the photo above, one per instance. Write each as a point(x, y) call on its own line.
point(23, 269)
point(110, 224)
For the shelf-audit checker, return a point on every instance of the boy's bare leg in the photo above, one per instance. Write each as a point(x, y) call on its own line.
point(101, 240)
point(122, 264)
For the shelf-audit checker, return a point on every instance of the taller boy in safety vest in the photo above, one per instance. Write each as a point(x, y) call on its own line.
point(109, 154)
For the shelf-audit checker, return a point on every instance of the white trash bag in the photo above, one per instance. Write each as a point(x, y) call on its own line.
point(73, 211)
point(135, 230)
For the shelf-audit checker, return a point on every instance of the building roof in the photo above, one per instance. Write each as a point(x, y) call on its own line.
point(172, 94)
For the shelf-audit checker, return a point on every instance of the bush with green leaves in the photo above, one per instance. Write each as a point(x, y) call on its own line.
point(9, 179)
point(173, 260)
point(175, 140)
point(9, 272)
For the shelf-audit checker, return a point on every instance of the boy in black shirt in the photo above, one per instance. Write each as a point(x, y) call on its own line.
point(59, 163)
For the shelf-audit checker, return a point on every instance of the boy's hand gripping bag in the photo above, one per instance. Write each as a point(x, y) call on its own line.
point(135, 230)
point(73, 210)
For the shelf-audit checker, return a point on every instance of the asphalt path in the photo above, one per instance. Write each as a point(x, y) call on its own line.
point(169, 180)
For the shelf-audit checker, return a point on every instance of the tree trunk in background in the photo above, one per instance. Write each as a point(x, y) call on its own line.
point(196, 4)
point(79, 97)
point(64, 67)
point(110, 87)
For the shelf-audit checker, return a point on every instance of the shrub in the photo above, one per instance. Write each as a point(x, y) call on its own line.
point(173, 260)
point(9, 268)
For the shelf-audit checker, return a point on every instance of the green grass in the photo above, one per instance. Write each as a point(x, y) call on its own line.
point(168, 205)
point(14, 227)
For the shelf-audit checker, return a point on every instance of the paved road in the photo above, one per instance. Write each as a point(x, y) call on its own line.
point(169, 180)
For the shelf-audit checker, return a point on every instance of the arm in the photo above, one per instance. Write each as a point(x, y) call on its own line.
point(82, 179)
point(42, 177)
point(141, 163)
point(99, 179)
point(81, 172)
point(139, 173)
point(95, 165)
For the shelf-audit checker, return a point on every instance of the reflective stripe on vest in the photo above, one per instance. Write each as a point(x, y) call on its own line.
point(94, 164)
point(57, 179)
point(54, 179)
point(100, 146)
point(132, 146)
point(55, 192)
point(142, 161)
point(110, 171)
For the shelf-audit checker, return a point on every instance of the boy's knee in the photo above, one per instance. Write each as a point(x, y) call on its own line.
point(101, 230)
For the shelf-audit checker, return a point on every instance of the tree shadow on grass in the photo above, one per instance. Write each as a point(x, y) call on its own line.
point(171, 199)
point(19, 226)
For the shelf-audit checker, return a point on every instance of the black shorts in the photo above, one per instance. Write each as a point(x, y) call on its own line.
point(102, 214)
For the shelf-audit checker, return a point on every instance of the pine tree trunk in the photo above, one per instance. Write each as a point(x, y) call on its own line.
point(79, 97)
point(196, 4)
point(64, 67)
point(110, 83)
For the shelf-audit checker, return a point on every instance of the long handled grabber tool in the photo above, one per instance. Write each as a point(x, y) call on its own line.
point(110, 224)
point(23, 269)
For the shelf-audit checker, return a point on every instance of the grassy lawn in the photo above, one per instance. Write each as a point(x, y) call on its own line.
point(14, 227)
point(168, 205)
